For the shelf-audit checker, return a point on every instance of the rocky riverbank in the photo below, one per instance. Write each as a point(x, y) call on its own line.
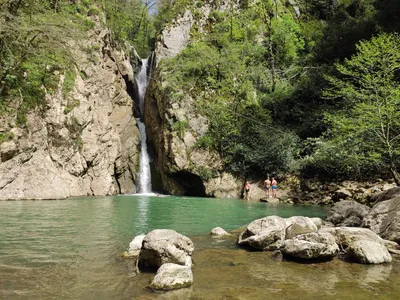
point(294, 239)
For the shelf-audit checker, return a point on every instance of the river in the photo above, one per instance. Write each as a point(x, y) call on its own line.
point(70, 249)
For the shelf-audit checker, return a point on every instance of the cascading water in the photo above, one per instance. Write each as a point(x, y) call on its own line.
point(144, 175)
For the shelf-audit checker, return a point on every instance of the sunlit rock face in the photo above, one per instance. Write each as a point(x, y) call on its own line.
point(84, 143)
point(175, 127)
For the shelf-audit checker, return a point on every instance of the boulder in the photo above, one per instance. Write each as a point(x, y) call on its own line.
point(218, 231)
point(163, 246)
point(171, 277)
point(317, 221)
point(311, 246)
point(347, 213)
point(8, 150)
point(346, 235)
point(264, 234)
point(384, 219)
point(360, 244)
point(385, 195)
point(368, 252)
point(299, 225)
point(341, 194)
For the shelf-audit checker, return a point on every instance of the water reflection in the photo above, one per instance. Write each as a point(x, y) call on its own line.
point(71, 250)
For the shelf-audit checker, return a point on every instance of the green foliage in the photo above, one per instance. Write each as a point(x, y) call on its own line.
point(5, 136)
point(69, 81)
point(180, 127)
point(131, 23)
point(365, 133)
point(75, 132)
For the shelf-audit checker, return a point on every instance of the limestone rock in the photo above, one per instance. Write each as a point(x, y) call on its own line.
point(384, 219)
point(224, 186)
point(163, 246)
point(82, 144)
point(318, 222)
point(341, 194)
point(347, 213)
point(385, 195)
point(311, 246)
point(175, 38)
point(368, 252)
point(299, 225)
point(218, 231)
point(134, 246)
point(264, 234)
point(172, 276)
point(7, 150)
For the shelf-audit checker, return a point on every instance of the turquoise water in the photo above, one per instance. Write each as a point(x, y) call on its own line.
point(70, 249)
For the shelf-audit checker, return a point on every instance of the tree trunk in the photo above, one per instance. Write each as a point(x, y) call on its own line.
point(395, 174)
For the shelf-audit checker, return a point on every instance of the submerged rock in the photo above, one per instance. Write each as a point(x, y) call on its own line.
point(311, 246)
point(264, 234)
point(163, 246)
point(171, 277)
point(218, 231)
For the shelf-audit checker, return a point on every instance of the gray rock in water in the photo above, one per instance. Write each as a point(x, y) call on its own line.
point(264, 234)
point(218, 231)
point(360, 244)
point(163, 246)
point(384, 219)
point(368, 252)
point(299, 225)
point(134, 246)
point(346, 209)
point(171, 277)
point(311, 246)
point(136, 243)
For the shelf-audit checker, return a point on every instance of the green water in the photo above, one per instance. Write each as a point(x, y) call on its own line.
point(70, 249)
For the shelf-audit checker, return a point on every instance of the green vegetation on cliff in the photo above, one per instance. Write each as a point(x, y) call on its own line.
point(37, 44)
point(284, 84)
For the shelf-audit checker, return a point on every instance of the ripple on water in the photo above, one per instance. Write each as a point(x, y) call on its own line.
point(70, 249)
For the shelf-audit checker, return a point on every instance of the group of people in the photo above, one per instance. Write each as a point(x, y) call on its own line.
point(270, 185)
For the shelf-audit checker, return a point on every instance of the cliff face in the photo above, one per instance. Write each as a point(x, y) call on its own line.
point(83, 143)
point(175, 127)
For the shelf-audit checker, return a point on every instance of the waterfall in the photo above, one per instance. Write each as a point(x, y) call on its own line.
point(142, 81)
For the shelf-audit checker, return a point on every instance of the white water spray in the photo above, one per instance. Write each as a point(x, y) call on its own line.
point(144, 174)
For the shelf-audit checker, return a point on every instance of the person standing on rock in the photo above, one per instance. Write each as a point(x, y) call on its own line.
point(267, 184)
point(274, 187)
point(246, 190)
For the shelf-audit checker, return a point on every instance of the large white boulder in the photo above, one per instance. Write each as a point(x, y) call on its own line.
point(171, 277)
point(299, 225)
point(311, 246)
point(368, 252)
point(264, 234)
point(163, 246)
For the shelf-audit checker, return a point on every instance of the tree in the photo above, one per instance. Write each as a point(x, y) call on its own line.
point(368, 86)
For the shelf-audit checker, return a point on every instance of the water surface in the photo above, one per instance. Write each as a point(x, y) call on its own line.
point(70, 249)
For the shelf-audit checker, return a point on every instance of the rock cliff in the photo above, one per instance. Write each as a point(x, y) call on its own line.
point(174, 127)
point(82, 143)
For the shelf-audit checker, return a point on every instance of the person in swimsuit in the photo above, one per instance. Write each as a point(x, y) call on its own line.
point(274, 187)
point(267, 184)
point(247, 190)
